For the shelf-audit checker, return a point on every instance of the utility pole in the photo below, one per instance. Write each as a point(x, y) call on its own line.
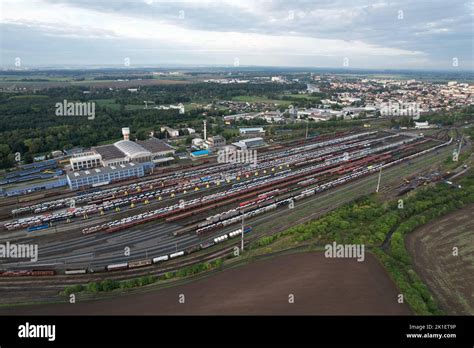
point(378, 183)
point(242, 245)
point(460, 144)
point(307, 126)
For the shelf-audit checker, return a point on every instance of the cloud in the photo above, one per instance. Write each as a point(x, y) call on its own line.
point(315, 33)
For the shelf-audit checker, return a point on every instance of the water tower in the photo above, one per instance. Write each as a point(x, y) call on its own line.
point(126, 133)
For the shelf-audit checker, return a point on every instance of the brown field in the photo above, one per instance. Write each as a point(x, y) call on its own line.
point(450, 278)
point(320, 286)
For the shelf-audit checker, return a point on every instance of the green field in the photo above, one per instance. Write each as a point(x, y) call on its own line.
point(257, 99)
point(113, 105)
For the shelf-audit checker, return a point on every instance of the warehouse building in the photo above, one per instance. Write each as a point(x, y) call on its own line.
point(215, 142)
point(85, 160)
point(251, 131)
point(122, 152)
point(249, 143)
point(105, 175)
point(119, 161)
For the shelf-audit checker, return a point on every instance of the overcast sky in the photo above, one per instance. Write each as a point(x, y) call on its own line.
point(416, 34)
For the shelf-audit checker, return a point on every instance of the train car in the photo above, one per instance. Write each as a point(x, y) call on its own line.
point(141, 263)
point(207, 244)
point(75, 271)
point(15, 273)
point(42, 164)
point(160, 258)
point(37, 227)
point(235, 233)
point(177, 254)
point(221, 239)
point(42, 273)
point(193, 249)
point(117, 266)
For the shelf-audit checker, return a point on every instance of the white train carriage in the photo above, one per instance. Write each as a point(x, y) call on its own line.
point(117, 266)
point(160, 258)
point(235, 233)
point(177, 254)
point(221, 239)
point(75, 271)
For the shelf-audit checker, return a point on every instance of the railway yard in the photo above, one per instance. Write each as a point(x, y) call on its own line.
point(160, 224)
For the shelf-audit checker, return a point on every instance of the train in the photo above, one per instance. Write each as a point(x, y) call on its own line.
point(182, 179)
point(37, 227)
point(336, 164)
point(125, 265)
point(75, 271)
point(32, 273)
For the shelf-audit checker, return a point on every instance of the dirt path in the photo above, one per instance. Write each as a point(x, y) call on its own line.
point(319, 285)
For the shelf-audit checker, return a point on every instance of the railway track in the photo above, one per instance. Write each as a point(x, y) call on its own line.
point(140, 236)
point(146, 272)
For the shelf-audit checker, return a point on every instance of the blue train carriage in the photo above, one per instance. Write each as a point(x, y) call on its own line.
point(37, 227)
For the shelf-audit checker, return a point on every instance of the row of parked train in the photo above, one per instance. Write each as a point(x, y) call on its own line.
point(183, 206)
point(356, 158)
point(28, 273)
point(177, 177)
point(356, 171)
point(130, 264)
point(116, 203)
point(119, 203)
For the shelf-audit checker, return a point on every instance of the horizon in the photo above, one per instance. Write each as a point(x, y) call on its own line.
point(241, 68)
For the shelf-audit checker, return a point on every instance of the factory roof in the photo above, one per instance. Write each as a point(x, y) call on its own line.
point(200, 153)
point(131, 149)
point(155, 145)
point(252, 129)
point(108, 152)
point(249, 140)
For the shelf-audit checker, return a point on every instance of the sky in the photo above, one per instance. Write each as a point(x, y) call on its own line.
point(421, 34)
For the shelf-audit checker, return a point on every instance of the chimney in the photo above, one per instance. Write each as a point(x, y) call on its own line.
point(126, 133)
point(205, 131)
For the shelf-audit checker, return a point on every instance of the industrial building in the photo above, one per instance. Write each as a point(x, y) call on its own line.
point(118, 161)
point(105, 175)
point(85, 160)
point(422, 125)
point(122, 152)
point(26, 188)
point(172, 133)
point(216, 141)
point(249, 143)
point(251, 131)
